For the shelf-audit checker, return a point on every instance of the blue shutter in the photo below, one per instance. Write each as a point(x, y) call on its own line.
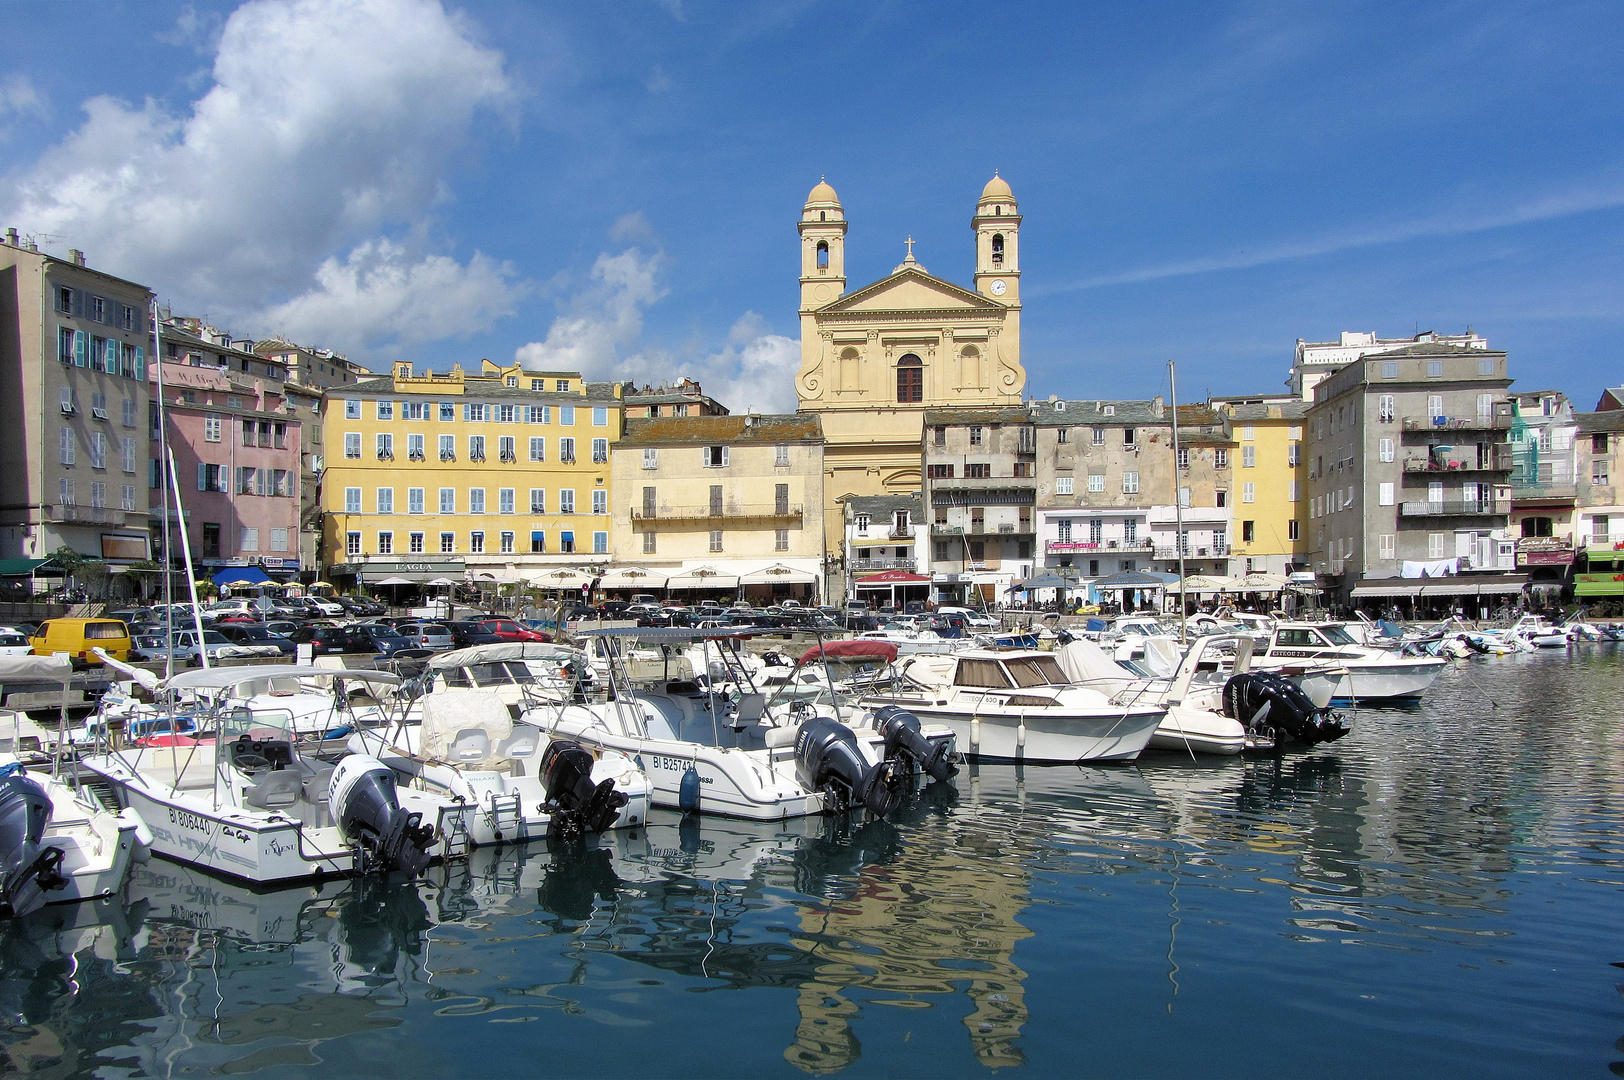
point(81, 348)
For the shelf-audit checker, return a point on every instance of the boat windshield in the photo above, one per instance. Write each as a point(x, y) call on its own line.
point(499, 673)
point(241, 721)
point(1036, 671)
point(1337, 636)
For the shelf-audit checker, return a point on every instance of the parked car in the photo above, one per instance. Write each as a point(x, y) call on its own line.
point(256, 635)
point(469, 632)
point(283, 627)
point(184, 646)
point(77, 637)
point(385, 640)
point(324, 607)
point(14, 643)
point(325, 639)
point(428, 635)
point(508, 630)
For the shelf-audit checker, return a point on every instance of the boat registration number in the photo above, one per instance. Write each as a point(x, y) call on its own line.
point(660, 761)
point(185, 819)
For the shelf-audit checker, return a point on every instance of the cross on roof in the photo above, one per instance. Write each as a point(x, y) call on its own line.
point(910, 246)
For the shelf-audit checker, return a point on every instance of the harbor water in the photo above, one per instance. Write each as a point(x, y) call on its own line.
point(1441, 891)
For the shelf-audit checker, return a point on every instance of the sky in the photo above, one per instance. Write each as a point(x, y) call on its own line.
point(614, 187)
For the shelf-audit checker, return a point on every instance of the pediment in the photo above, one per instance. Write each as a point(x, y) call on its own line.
point(913, 290)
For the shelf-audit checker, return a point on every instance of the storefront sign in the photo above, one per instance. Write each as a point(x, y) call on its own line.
point(1544, 557)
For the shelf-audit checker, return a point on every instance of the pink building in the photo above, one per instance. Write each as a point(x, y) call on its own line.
point(236, 443)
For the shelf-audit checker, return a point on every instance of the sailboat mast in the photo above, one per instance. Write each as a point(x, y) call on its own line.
point(1178, 501)
point(163, 490)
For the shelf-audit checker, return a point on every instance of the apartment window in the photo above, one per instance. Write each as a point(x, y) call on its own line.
point(716, 500)
point(386, 543)
point(352, 499)
point(978, 470)
point(1293, 491)
point(1062, 435)
point(448, 543)
point(126, 500)
point(476, 500)
point(1385, 408)
point(414, 543)
point(1384, 449)
point(352, 542)
point(563, 386)
point(414, 447)
point(476, 448)
point(1127, 437)
point(352, 444)
point(1248, 457)
point(1598, 472)
point(600, 543)
point(566, 414)
point(476, 542)
point(648, 543)
point(600, 451)
point(781, 540)
point(1248, 492)
point(1294, 455)
point(566, 451)
point(64, 491)
point(448, 448)
point(386, 448)
point(938, 435)
point(1598, 443)
point(538, 542)
point(1184, 456)
point(448, 412)
point(1435, 369)
point(939, 472)
point(1063, 485)
point(1220, 459)
point(1221, 497)
point(716, 539)
point(128, 417)
point(566, 501)
point(861, 521)
point(352, 409)
point(448, 500)
point(98, 450)
point(98, 495)
point(600, 501)
point(507, 543)
point(781, 456)
point(1292, 530)
point(1386, 546)
point(67, 447)
point(414, 500)
point(1389, 369)
point(566, 542)
point(386, 500)
point(504, 449)
point(600, 416)
point(1130, 483)
point(386, 410)
point(1184, 497)
point(976, 435)
point(538, 500)
point(1384, 495)
point(64, 301)
point(1437, 545)
point(414, 410)
point(211, 428)
point(473, 412)
point(538, 448)
point(1098, 437)
point(1248, 532)
point(1096, 482)
point(651, 458)
point(504, 413)
point(978, 550)
point(714, 457)
point(504, 501)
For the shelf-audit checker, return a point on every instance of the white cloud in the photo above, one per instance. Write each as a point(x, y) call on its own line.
point(198, 30)
point(328, 124)
point(601, 330)
point(19, 100)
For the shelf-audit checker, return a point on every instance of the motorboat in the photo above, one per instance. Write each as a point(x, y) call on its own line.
point(718, 748)
point(253, 797)
point(461, 739)
point(1368, 673)
point(58, 843)
point(1541, 634)
point(1018, 706)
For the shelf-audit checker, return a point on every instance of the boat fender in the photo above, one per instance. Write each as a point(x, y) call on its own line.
point(363, 801)
point(827, 759)
point(688, 791)
point(900, 729)
point(27, 870)
point(575, 805)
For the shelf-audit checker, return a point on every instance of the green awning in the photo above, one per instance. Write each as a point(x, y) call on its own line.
point(20, 567)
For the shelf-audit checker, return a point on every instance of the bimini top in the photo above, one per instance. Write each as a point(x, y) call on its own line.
point(852, 649)
point(497, 652)
point(222, 678)
point(53, 668)
point(673, 633)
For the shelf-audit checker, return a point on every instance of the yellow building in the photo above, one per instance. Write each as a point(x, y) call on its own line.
point(722, 505)
point(498, 475)
point(1267, 484)
point(873, 360)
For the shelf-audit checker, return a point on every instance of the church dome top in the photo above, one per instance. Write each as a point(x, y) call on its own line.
point(823, 193)
point(997, 190)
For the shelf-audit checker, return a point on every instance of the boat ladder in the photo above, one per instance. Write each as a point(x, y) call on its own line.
point(504, 813)
point(454, 827)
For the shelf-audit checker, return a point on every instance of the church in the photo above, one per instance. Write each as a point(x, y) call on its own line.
point(874, 359)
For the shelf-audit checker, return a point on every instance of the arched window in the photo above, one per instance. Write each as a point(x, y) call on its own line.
point(910, 379)
point(823, 215)
point(998, 211)
point(998, 249)
point(823, 254)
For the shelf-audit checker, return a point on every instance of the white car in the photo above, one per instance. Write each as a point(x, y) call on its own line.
point(215, 644)
point(326, 607)
point(13, 642)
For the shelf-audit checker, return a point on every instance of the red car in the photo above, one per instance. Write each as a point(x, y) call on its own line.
point(508, 630)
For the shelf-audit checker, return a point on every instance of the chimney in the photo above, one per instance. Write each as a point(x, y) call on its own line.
point(76, 257)
point(11, 237)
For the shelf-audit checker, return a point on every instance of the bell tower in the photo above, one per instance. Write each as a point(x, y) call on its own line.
point(823, 248)
point(997, 226)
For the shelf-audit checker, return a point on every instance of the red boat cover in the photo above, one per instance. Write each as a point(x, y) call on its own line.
point(854, 647)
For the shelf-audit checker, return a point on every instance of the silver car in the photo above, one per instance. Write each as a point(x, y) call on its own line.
point(426, 635)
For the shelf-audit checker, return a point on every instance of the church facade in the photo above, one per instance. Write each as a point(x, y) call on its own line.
point(874, 359)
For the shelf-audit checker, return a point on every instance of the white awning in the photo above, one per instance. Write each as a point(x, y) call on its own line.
point(564, 577)
point(702, 577)
point(776, 573)
point(632, 577)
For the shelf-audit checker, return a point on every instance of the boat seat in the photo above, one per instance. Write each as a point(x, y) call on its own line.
point(779, 736)
point(316, 784)
point(748, 710)
point(521, 744)
point(469, 744)
point(275, 790)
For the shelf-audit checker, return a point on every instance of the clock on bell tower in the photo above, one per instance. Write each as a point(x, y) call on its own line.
point(997, 225)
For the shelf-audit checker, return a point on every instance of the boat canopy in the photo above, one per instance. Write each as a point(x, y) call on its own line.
point(496, 653)
point(222, 678)
point(852, 648)
point(670, 634)
point(55, 668)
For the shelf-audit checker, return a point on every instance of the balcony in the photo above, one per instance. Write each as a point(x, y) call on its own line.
point(734, 512)
point(1068, 547)
point(1499, 461)
point(89, 515)
point(1543, 492)
point(1455, 508)
point(1497, 422)
point(865, 565)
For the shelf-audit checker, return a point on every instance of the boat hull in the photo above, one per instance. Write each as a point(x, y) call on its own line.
point(1199, 731)
point(1402, 681)
point(1036, 739)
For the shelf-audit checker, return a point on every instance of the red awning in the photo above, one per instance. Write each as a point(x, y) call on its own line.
point(852, 648)
point(894, 577)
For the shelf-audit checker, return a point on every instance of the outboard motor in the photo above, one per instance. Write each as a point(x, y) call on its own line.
point(362, 800)
point(903, 738)
point(27, 872)
point(575, 805)
point(827, 759)
point(1272, 705)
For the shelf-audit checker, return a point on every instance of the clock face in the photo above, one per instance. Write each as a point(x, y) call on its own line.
point(998, 287)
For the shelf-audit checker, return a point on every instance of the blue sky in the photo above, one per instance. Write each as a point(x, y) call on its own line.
point(614, 186)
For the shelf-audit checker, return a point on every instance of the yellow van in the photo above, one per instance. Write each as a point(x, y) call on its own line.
point(77, 637)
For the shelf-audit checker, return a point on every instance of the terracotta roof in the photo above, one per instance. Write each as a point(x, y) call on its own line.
point(712, 430)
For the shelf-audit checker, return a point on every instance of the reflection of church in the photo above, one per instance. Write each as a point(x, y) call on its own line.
point(873, 360)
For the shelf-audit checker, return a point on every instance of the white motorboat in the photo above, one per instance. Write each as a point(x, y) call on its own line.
point(1536, 631)
point(1368, 673)
point(717, 749)
point(460, 740)
point(58, 843)
point(1018, 706)
point(250, 797)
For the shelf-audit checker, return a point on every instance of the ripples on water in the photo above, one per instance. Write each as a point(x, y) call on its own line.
point(1438, 891)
